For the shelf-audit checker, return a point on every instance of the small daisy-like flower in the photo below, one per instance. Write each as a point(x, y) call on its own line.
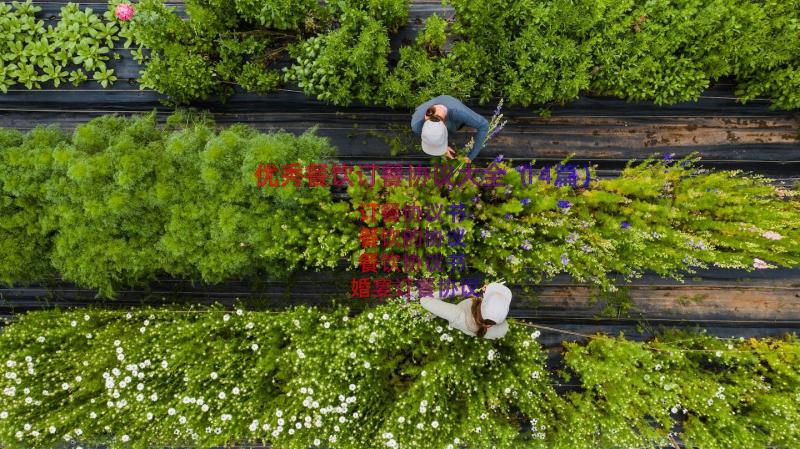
point(760, 264)
point(484, 233)
point(490, 355)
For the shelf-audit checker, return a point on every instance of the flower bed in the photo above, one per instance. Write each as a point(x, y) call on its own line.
point(121, 201)
point(388, 378)
point(548, 51)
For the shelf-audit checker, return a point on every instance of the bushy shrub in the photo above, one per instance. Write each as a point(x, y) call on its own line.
point(345, 65)
point(390, 377)
point(124, 200)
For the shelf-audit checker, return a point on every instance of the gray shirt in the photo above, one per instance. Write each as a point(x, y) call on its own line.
point(458, 115)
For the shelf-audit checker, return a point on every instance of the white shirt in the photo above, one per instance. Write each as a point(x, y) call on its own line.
point(460, 317)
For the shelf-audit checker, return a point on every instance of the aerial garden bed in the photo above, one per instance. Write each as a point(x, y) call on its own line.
point(342, 52)
point(122, 200)
point(392, 378)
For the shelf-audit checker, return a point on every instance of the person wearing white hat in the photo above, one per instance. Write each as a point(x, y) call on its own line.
point(436, 119)
point(476, 316)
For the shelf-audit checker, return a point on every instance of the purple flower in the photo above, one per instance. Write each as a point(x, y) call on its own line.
point(484, 233)
point(525, 201)
point(564, 259)
point(564, 204)
point(495, 132)
point(499, 158)
point(572, 237)
point(498, 108)
point(507, 216)
point(476, 199)
point(625, 225)
point(526, 245)
point(668, 157)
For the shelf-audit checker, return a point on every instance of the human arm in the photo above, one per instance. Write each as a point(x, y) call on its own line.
point(442, 309)
point(482, 125)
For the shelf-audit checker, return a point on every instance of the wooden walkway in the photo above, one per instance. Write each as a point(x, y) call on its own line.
point(599, 130)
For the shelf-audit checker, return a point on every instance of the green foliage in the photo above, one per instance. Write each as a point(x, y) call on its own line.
point(32, 54)
point(124, 200)
point(680, 219)
point(345, 65)
point(391, 377)
point(128, 200)
point(434, 35)
point(277, 14)
point(392, 13)
point(420, 76)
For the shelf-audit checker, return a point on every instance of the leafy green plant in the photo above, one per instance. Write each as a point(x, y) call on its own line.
point(434, 35)
point(31, 54)
point(391, 376)
point(344, 65)
point(123, 200)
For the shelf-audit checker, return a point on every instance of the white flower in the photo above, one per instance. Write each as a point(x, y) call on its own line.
point(3, 414)
point(535, 374)
point(239, 312)
point(352, 355)
point(710, 401)
point(182, 420)
point(401, 419)
point(435, 424)
point(65, 386)
point(125, 438)
point(326, 325)
point(149, 416)
point(301, 354)
point(718, 353)
point(674, 409)
point(317, 442)
point(352, 387)
point(249, 325)
point(342, 419)
point(771, 235)
point(226, 317)
point(279, 413)
point(254, 347)
point(420, 425)
point(171, 411)
point(154, 397)
point(236, 390)
point(490, 356)
point(535, 335)
point(164, 364)
point(40, 339)
point(370, 315)
point(73, 323)
point(366, 365)
point(296, 323)
point(385, 316)
point(658, 366)
point(214, 375)
point(221, 395)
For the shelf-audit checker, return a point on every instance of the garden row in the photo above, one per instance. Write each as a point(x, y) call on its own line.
point(391, 377)
point(547, 51)
point(121, 201)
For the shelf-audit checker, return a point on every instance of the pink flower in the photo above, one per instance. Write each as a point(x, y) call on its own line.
point(771, 235)
point(760, 264)
point(124, 11)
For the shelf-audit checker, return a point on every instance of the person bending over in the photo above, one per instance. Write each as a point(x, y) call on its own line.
point(476, 316)
point(439, 117)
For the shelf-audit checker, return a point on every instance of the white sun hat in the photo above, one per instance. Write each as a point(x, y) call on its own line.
point(496, 300)
point(434, 138)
